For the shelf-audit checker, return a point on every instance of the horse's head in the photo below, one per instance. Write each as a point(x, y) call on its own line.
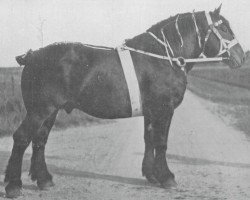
point(220, 40)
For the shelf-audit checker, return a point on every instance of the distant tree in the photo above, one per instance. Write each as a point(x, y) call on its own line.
point(40, 29)
point(247, 54)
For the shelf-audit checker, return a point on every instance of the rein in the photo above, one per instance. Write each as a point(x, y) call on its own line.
point(225, 45)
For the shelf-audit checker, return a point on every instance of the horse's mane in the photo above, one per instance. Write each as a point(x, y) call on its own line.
point(182, 16)
point(164, 22)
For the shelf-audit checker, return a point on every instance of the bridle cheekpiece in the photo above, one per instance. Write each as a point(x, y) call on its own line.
point(225, 45)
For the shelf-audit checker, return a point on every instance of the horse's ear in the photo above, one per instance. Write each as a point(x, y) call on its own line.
point(217, 10)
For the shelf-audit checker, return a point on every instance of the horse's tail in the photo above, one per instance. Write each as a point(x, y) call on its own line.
point(24, 58)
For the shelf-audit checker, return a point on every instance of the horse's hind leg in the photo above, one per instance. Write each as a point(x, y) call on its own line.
point(22, 138)
point(38, 168)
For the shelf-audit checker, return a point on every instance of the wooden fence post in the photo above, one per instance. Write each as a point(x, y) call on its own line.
point(13, 85)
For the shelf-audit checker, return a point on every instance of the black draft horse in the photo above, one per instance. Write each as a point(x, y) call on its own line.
point(73, 75)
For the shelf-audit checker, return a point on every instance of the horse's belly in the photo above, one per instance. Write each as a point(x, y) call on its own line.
point(106, 101)
point(107, 110)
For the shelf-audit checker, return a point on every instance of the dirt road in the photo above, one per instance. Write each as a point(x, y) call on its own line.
point(210, 160)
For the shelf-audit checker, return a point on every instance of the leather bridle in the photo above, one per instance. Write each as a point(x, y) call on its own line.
point(225, 45)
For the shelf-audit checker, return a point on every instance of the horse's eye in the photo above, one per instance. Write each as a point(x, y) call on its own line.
point(224, 28)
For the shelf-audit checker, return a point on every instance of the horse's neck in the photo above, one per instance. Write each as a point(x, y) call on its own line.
point(146, 42)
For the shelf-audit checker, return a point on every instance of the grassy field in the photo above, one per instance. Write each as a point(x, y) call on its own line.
point(223, 74)
point(229, 89)
point(11, 106)
point(12, 110)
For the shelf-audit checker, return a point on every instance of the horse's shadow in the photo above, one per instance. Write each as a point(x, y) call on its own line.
point(93, 175)
point(113, 178)
point(85, 174)
point(142, 182)
point(201, 161)
point(4, 156)
point(185, 160)
point(25, 186)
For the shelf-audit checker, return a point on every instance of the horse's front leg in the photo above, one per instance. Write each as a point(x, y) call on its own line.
point(155, 165)
point(161, 124)
point(149, 157)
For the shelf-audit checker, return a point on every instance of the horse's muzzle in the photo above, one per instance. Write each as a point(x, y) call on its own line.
point(237, 57)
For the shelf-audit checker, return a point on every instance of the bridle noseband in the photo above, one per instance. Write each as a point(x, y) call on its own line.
point(225, 45)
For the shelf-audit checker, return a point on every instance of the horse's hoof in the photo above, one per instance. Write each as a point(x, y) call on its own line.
point(45, 185)
point(151, 179)
point(13, 191)
point(170, 183)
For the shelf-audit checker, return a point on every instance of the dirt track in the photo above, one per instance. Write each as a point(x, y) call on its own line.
point(210, 160)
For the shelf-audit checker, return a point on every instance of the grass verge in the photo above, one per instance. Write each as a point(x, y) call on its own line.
point(231, 100)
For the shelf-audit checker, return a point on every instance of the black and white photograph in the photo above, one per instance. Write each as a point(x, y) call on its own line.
point(125, 99)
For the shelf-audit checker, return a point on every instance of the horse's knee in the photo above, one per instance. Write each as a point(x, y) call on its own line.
point(23, 135)
point(160, 148)
point(41, 137)
point(38, 145)
point(21, 139)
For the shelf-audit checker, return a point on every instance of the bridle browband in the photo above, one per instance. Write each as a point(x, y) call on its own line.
point(225, 45)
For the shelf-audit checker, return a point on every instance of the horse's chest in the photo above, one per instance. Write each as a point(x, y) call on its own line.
point(177, 93)
point(174, 90)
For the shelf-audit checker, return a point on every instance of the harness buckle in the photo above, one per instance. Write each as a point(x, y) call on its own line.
point(180, 61)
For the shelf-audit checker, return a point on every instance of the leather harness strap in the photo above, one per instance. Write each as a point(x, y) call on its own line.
point(132, 81)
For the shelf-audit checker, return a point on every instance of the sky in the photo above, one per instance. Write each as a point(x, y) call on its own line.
point(99, 22)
